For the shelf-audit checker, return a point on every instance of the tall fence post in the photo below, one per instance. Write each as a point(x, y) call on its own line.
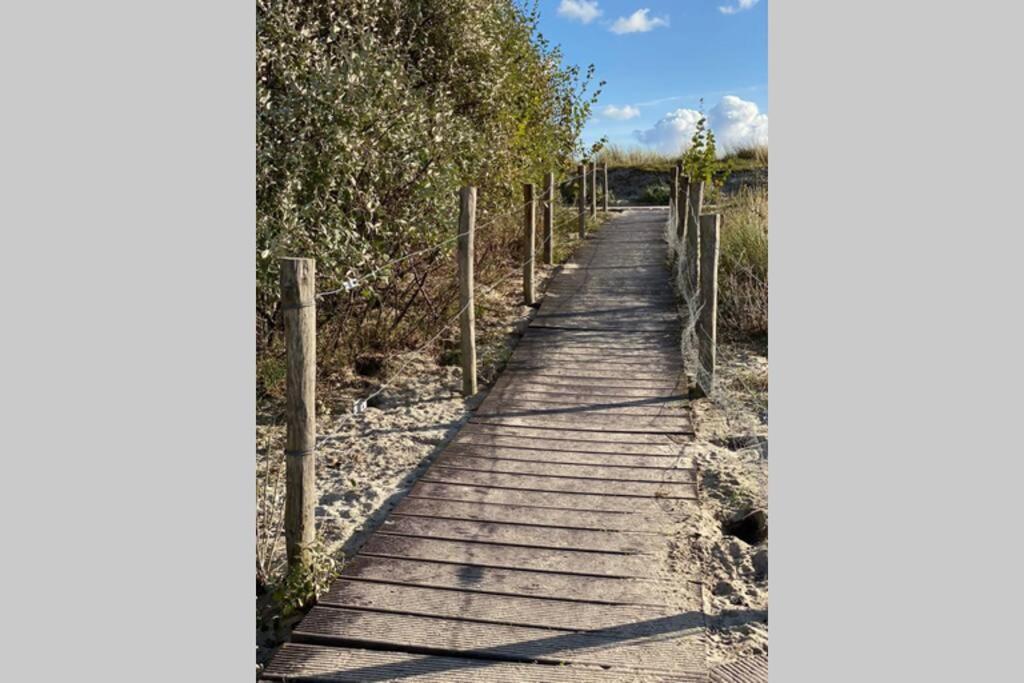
point(582, 184)
point(529, 242)
point(298, 304)
point(682, 209)
point(593, 190)
point(673, 199)
point(707, 322)
point(467, 321)
point(549, 219)
point(606, 187)
point(695, 200)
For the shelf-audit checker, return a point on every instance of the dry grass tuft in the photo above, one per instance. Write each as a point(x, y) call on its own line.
point(743, 266)
point(617, 156)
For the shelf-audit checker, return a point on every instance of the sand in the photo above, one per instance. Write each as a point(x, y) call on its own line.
point(731, 450)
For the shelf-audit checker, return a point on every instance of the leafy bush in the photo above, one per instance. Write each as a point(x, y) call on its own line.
point(370, 116)
point(656, 194)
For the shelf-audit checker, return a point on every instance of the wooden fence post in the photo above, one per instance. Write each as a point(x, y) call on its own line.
point(695, 201)
point(682, 210)
point(529, 242)
point(467, 324)
point(606, 187)
point(673, 198)
point(707, 322)
point(549, 219)
point(298, 304)
point(593, 190)
point(582, 184)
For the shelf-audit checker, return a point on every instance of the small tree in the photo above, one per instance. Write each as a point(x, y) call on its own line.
point(700, 160)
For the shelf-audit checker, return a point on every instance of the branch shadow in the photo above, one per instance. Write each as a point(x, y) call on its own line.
point(554, 650)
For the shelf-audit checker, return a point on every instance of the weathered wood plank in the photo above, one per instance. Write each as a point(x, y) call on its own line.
point(582, 458)
point(660, 489)
point(512, 582)
point(560, 500)
point(511, 405)
point(678, 645)
point(584, 562)
point(511, 533)
point(502, 609)
point(599, 423)
point(577, 436)
point(573, 470)
point(541, 517)
point(300, 662)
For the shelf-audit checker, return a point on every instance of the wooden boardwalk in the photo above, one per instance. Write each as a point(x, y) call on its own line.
point(549, 541)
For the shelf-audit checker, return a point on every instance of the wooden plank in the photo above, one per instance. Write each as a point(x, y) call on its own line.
point(578, 457)
point(502, 444)
point(546, 499)
point(503, 609)
point(583, 413)
point(300, 662)
point(598, 423)
point(512, 582)
point(604, 388)
point(658, 372)
point(566, 397)
point(660, 489)
point(583, 562)
point(678, 646)
point(575, 435)
point(577, 445)
point(572, 470)
point(595, 371)
point(507, 384)
point(511, 533)
point(510, 405)
point(557, 356)
point(541, 517)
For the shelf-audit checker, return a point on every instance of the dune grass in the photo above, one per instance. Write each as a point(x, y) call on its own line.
point(748, 157)
point(619, 156)
point(643, 158)
point(743, 264)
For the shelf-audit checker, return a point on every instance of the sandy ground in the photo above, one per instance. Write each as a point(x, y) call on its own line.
point(731, 450)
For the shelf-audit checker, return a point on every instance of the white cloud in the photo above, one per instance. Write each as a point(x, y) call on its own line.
point(638, 22)
point(623, 113)
point(738, 7)
point(584, 11)
point(736, 123)
point(672, 133)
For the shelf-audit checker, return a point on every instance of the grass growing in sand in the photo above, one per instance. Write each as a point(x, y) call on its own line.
point(743, 264)
point(646, 159)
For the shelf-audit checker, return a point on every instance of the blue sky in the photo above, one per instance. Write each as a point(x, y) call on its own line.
point(690, 48)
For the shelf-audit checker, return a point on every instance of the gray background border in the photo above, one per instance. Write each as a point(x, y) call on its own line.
point(127, 168)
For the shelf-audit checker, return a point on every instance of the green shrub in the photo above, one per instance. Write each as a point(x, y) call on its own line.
point(656, 194)
point(370, 116)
